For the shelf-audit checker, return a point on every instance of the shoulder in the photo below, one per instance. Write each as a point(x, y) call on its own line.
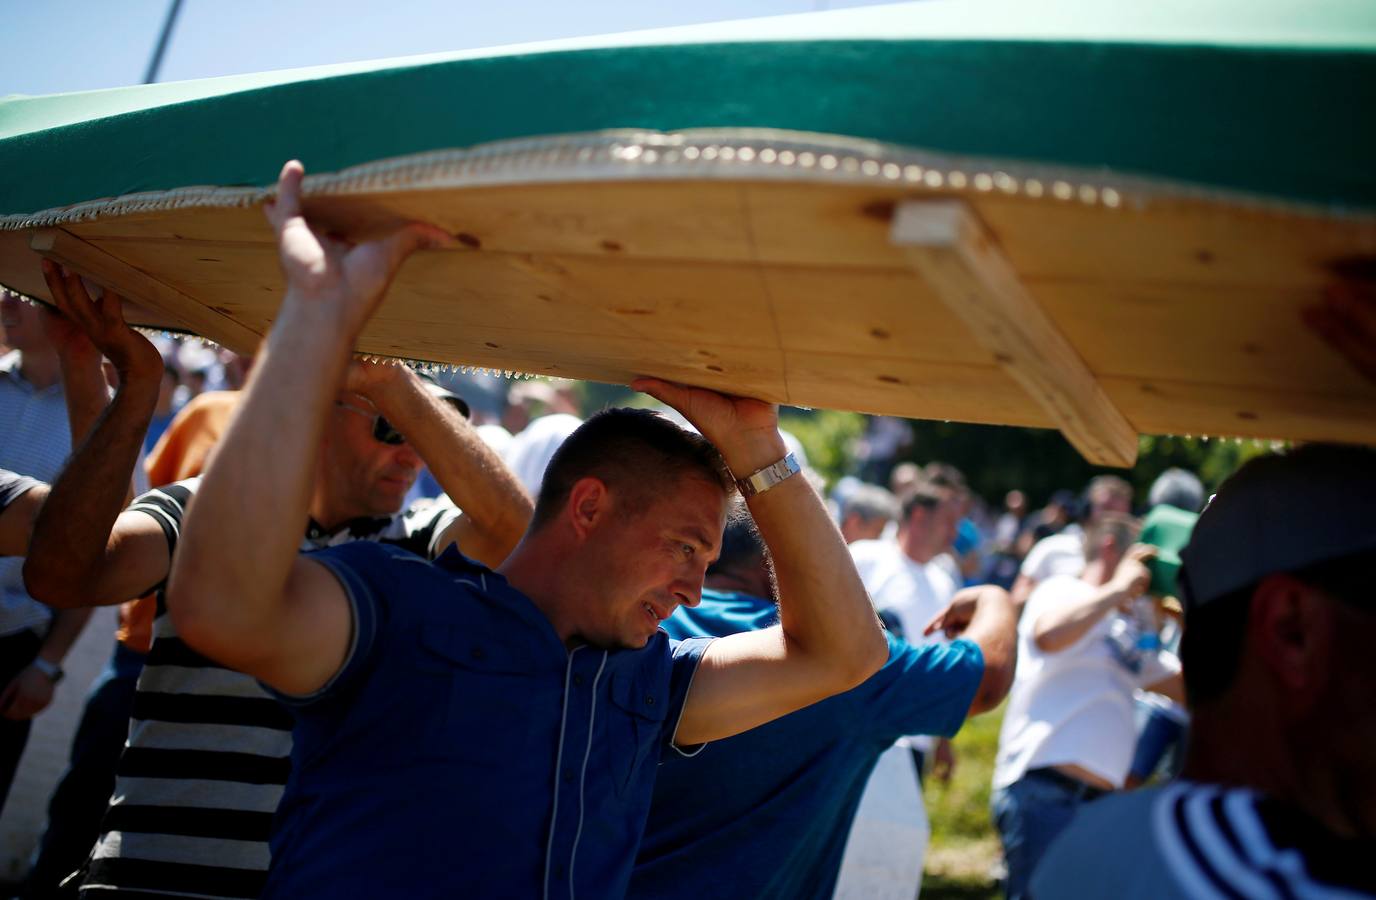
point(869, 549)
point(166, 504)
point(209, 403)
point(873, 554)
point(1058, 588)
point(13, 486)
point(369, 555)
point(942, 581)
point(1052, 593)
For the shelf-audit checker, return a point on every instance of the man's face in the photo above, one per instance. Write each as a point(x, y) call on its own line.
point(654, 560)
point(1106, 499)
point(23, 324)
point(854, 528)
point(1344, 722)
point(948, 515)
point(362, 475)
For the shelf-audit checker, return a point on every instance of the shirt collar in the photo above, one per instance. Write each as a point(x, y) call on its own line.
point(362, 527)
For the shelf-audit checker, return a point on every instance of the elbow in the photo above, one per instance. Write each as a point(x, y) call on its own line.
point(187, 610)
point(53, 585)
point(868, 658)
point(994, 686)
point(1047, 641)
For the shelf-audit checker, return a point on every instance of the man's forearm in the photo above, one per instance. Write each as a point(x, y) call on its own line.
point(1058, 628)
point(823, 605)
point(66, 628)
point(73, 528)
point(495, 505)
point(84, 391)
point(242, 532)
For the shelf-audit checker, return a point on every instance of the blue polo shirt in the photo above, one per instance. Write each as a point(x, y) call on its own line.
point(767, 813)
point(463, 751)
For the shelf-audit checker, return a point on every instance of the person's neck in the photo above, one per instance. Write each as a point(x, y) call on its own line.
point(542, 573)
point(39, 369)
point(1286, 764)
point(330, 517)
point(1097, 572)
point(914, 549)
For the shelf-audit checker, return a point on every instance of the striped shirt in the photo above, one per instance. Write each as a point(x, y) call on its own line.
point(35, 440)
point(13, 486)
point(209, 751)
point(1201, 841)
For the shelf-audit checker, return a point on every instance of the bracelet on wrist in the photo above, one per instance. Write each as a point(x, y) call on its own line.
point(769, 477)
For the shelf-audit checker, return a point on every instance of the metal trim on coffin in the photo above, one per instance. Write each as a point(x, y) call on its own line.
point(725, 154)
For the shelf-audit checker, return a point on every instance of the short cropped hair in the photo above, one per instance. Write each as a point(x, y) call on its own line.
point(1178, 488)
point(635, 452)
point(742, 547)
point(945, 475)
point(1110, 484)
point(871, 502)
point(924, 494)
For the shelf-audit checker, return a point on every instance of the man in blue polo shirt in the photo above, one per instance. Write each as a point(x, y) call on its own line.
point(468, 732)
point(783, 795)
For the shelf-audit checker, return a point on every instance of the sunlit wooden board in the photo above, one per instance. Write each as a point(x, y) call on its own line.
point(788, 286)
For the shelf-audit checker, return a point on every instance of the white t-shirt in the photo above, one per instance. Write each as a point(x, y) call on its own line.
point(912, 591)
point(1074, 706)
point(1057, 554)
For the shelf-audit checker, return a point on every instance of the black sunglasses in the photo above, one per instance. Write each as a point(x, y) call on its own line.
point(383, 432)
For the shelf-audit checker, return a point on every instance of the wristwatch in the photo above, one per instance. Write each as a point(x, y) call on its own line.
point(769, 476)
point(54, 672)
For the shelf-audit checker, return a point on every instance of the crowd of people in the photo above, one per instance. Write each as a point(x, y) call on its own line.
point(378, 640)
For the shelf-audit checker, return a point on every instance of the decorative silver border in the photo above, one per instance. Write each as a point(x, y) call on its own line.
point(725, 154)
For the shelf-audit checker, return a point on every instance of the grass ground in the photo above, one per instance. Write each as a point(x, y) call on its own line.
point(964, 848)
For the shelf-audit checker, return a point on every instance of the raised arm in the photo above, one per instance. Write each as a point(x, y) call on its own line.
point(1061, 626)
point(496, 509)
point(238, 592)
point(78, 557)
point(17, 518)
point(985, 616)
point(828, 639)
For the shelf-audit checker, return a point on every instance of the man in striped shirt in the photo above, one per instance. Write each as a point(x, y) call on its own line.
point(209, 751)
point(1278, 797)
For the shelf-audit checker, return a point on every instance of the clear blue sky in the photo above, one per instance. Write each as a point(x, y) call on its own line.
point(53, 46)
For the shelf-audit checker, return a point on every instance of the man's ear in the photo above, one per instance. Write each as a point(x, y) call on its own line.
point(1290, 625)
point(589, 503)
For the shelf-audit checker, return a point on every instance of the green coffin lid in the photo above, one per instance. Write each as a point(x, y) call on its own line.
point(1272, 99)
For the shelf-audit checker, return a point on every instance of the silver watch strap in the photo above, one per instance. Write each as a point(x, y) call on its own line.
point(53, 672)
point(769, 476)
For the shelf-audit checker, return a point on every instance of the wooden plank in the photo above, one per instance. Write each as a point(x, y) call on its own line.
point(946, 244)
point(124, 279)
point(912, 388)
point(1204, 334)
point(1161, 406)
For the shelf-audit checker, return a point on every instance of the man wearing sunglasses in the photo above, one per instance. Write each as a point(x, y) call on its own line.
point(208, 753)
